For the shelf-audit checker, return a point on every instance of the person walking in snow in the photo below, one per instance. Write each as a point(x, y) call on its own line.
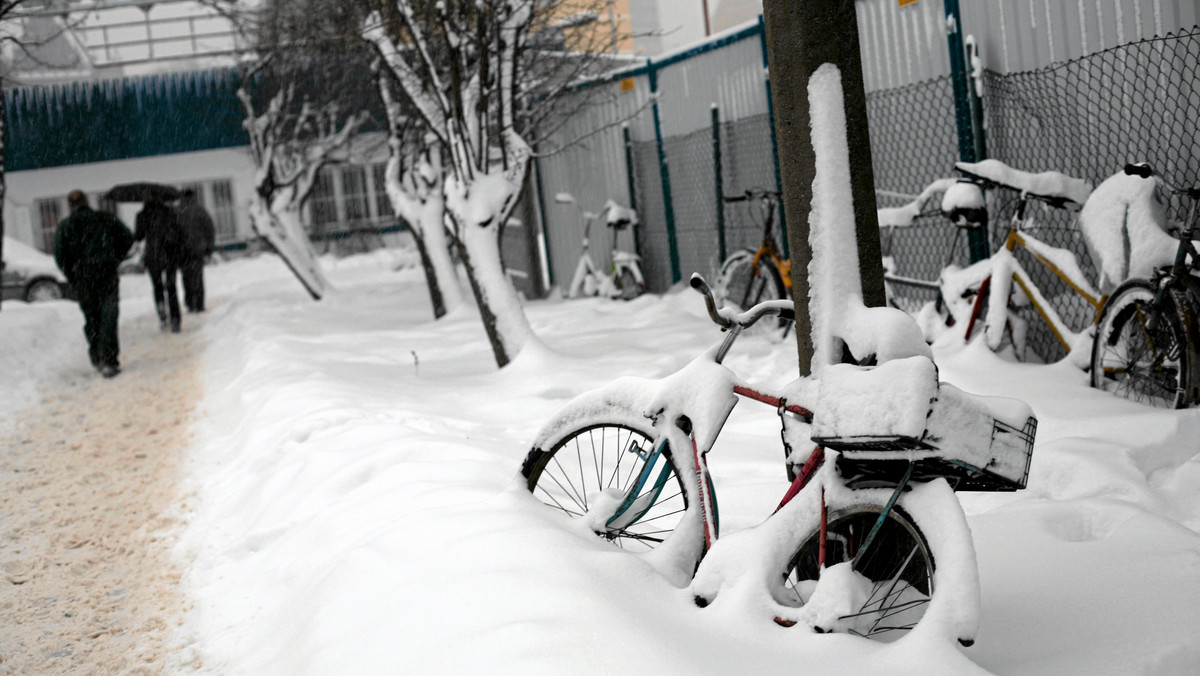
point(88, 247)
point(199, 237)
point(159, 226)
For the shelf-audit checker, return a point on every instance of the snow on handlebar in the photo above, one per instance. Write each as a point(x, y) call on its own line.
point(726, 318)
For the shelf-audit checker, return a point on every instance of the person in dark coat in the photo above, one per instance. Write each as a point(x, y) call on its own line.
point(88, 247)
point(159, 226)
point(199, 237)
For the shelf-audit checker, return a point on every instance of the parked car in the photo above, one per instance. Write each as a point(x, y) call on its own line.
point(30, 275)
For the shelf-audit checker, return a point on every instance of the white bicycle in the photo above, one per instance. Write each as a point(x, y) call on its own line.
point(624, 279)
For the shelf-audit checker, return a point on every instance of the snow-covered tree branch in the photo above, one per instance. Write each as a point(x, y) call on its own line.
point(458, 63)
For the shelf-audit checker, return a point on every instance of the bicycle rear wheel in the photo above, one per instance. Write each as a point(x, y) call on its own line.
point(734, 277)
point(1130, 359)
point(896, 572)
point(585, 473)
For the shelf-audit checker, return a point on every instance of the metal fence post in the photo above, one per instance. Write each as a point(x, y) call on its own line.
point(632, 185)
point(719, 183)
point(665, 174)
point(762, 44)
point(543, 240)
point(970, 141)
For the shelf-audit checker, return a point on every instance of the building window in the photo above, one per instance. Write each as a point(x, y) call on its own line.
point(101, 203)
point(49, 214)
point(324, 201)
point(198, 188)
point(383, 205)
point(354, 194)
point(222, 211)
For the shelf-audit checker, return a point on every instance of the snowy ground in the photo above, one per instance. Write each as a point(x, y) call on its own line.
point(353, 505)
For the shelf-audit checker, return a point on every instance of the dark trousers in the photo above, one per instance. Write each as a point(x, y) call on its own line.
point(166, 295)
point(193, 284)
point(100, 302)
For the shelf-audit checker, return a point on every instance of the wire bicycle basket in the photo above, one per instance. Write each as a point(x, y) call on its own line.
point(881, 420)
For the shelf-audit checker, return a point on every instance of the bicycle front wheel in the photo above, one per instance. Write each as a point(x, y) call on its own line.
point(628, 286)
point(896, 571)
point(1138, 361)
point(589, 472)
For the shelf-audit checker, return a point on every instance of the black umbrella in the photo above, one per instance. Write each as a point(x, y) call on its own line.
point(140, 192)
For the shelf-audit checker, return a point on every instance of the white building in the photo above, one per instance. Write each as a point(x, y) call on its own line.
point(165, 68)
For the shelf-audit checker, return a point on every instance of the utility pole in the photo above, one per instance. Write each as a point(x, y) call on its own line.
point(801, 36)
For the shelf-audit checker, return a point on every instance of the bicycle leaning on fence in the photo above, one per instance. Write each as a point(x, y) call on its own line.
point(873, 453)
point(750, 276)
point(624, 279)
point(988, 294)
point(1147, 344)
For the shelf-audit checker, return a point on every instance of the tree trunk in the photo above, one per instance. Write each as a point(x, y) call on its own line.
point(500, 308)
point(281, 226)
point(432, 217)
point(435, 289)
point(477, 209)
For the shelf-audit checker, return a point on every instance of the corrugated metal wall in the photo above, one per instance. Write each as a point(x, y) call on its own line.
point(729, 75)
point(592, 170)
point(902, 45)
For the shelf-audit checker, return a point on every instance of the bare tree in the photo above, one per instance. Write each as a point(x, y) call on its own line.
point(478, 74)
point(304, 66)
point(414, 178)
point(289, 149)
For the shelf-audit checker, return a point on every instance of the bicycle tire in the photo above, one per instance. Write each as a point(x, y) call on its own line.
point(744, 287)
point(1010, 338)
point(733, 277)
point(1130, 361)
point(575, 465)
point(628, 287)
point(900, 568)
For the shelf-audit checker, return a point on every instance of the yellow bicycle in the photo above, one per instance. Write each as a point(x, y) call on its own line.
point(750, 276)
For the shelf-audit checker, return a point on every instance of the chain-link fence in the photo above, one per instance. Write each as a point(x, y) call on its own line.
point(1086, 118)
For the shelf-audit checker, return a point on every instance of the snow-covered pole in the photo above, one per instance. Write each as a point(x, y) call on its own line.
point(802, 35)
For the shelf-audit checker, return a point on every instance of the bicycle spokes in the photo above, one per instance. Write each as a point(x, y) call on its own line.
point(882, 584)
point(1141, 357)
point(638, 501)
point(613, 478)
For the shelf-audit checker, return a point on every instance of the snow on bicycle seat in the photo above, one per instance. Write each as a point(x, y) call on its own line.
point(1049, 186)
point(619, 217)
point(882, 418)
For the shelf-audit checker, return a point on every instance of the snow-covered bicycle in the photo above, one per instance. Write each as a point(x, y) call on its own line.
point(868, 538)
point(624, 279)
point(988, 295)
point(1147, 344)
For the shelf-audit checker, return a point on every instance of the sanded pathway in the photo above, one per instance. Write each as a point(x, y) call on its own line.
point(88, 490)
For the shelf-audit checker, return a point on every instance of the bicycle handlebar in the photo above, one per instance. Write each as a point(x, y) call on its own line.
point(745, 319)
point(1141, 169)
point(754, 193)
point(1144, 170)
